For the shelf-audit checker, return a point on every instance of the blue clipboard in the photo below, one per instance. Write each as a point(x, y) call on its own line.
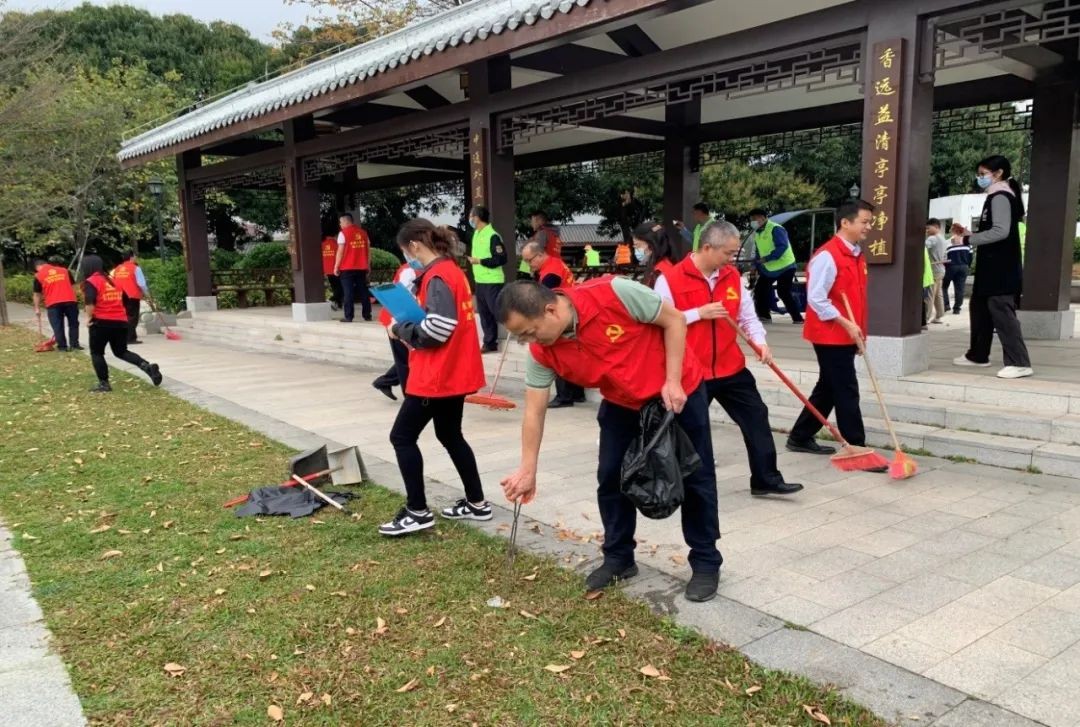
point(395, 298)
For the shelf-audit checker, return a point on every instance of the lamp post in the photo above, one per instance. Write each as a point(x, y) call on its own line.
point(854, 191)
point(157, 189)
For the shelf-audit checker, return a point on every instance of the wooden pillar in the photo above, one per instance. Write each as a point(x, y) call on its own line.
point(305, 228)
point(897, 129)
point(491, 171)
point(1055, 186)
point(682, 176)
point(193, 237)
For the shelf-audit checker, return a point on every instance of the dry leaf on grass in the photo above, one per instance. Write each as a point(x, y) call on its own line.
point(408, 686)
point(526, 614)
point(326, 699)
point(650, 671)
point(380, 627)
point(622, 633)
point(816, 714)
point(111, 554)
point(530, 577)
point(100, 529)
point(338, 593)
point(219, 591)
point(751, 691)
point(440, 622)
point(593, 595)
point(305, 698)
point(263, 575)
point(309, 587)
point(28, 536)
point(401, 611)
point(557, 668)
point(174, 670)
point(275, 713)
point(577, 655)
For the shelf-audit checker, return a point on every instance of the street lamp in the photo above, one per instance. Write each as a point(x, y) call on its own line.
point(157, 189)
point(854, 191)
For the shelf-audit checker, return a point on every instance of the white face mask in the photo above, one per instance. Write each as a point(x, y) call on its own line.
point(755, 225)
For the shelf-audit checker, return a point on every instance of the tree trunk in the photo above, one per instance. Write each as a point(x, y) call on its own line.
point(4, 320)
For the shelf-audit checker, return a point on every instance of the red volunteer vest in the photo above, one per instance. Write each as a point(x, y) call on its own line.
point(555, 266)
point(664, 267)
point(55, 285)
point(554, 243)
point(454, 368)
point(110, 300)
point(123, 277)
point(329, 255)
point(384, 315)
point(850, 280)
point(356, 248)
point(714, 342)
point(622, 357)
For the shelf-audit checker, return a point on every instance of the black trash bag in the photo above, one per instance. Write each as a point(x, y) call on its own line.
point(292, 501)
point(657, 462)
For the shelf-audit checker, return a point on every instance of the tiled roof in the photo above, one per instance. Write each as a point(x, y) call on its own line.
point(470, 23)
point(582, 233)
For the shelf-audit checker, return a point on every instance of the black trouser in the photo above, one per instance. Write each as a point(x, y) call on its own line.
point(565, 391)
point(412, 418)
point(837, 387)
point(739, 396)
point(486, 296)
point(700, 518)
point(335, 288)
point(354, 286)
point(115, 335)
point(131, 307)
point(991, 313)
point(398, 373)
point(57, 315)
point(763, 294)
point(956, 276)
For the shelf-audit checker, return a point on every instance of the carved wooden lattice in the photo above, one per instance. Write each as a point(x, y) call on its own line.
point(451, 140)
point(983, 33)
point(272, 176)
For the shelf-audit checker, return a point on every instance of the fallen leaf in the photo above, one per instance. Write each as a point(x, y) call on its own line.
point(593, 595)
point(577, 655)
point(380, 627)
point(174, 670)
point(251, 610)
point(167, 524)
point(305, 698)
point(219, 591)
point(526, 614)
point(622, 633)
point(111, 554)
point(816, 714)
point(751, 691)
point(263, 575)
point(678, 559)
point(401, 611)
point(78, 460)
point(219, 551)
point(28, 536)
point(326, 699)
point(100, 529)
point(408, 686)
point(451, 708)
point(557, 668)
point(310, 587)
point(530, 577)
point(440, 622)
point(275, 713)
point(650, 671)
point(160, 567)
point(431, 671)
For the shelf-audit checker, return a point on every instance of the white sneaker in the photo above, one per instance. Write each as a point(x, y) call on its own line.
point(465, 510)
point(1015, 372)
point(407, 521)
point(965, 361)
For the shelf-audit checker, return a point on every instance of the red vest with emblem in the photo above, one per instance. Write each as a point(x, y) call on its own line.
point(123, 277)
point(554, 243)
point(850, 280)
point(356, 248)
point(622, 357)
point(384, 315)
point(454, 368)
point(714, 341)
point(329, 255)
point(555, 266)
point(55, 285)
point(110, 299)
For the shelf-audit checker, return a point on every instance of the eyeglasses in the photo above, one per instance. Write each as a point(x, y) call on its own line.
point(529, 259)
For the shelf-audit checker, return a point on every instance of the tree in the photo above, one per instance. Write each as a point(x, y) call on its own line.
point(734, 188)
point(349, 22)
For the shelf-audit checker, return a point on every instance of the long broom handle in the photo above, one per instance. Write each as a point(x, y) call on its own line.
point(499, 368)
point(874, 381)
point(791, 385)
point(157, 312)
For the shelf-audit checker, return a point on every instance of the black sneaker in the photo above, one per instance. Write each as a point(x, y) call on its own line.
point(385, 391)
point(784, 488)
point(407, 521)
point(62, 349)
point(809, 447)
point(76, 347)
point(608, 575)
point(559, 403)
point(153, 372)
point(702, 586)
point(465, 510)
point(102, 388)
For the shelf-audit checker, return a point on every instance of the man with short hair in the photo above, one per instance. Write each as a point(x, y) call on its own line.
point(592, 257)
point(351, 265)
point(552, 273)
point(545, 233)
point(129, 278)
point(56, 285)
point(487, 255)
point(775, 262)
point(619, 336)
point(707, 289)
point(702, 218)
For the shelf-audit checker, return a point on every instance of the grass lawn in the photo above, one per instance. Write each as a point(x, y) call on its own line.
point(115, 504)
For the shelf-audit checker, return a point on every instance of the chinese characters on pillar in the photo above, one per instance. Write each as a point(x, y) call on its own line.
point(184, 226)
point(290, 205)
point(880, 148)
point(477, 166)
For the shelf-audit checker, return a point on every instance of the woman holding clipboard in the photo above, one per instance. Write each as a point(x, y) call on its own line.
point(444, 367)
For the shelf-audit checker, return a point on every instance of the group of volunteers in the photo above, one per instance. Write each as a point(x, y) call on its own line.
point(112, 301)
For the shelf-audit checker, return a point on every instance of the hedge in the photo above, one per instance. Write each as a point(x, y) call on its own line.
point(265, 256)
point(20, 288)
point(167, 282)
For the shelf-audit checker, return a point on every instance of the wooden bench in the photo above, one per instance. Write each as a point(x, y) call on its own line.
point(269, 281)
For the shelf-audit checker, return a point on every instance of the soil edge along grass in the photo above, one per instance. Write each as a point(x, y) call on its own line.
point(168, 610)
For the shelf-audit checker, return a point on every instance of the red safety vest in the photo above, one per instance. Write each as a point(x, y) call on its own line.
point(110, 299)
point(329, 255)
point(123, 277)
point(454, 368)
point(384, 315)
point(55, 285)
point(851, 280)
point(554, 242)
point(356, 248)
point(664, 267)
point(555, 266)
point(611, 351)
point(714, 342)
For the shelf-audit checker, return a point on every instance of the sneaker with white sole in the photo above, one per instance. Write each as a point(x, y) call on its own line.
point(965, 361)
point(1015, 372)
point(465, 510)
point(407, 521)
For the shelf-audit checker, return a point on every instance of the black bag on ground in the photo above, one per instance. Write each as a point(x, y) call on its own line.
point(657, 462)
point(292, 501)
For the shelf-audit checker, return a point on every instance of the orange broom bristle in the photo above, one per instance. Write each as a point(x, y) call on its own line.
point(491, 401)
point(860, 462)
point(902, 467)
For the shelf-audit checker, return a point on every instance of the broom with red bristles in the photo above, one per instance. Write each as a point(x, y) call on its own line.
point(45, 344)
point(169, 333)
point(902, 466)
point(850, 458)
point(490, 399)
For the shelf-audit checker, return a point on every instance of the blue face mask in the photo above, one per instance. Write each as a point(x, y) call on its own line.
point(472, 223)
point(984, 181)
point(640, 254)
point(414, 263)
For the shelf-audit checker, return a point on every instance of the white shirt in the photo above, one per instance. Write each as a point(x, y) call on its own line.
point(748, 319)
point(821, 274)
point(341, 238)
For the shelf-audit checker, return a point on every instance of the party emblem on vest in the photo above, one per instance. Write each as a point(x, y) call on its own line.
point(614, 332)
point(732, 294)
point(467, 309)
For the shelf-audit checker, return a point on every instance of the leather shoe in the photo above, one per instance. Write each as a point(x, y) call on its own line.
point(784, 488)
point(608, 574)
point(702, 586)
point(559, 403)
point(809, 447)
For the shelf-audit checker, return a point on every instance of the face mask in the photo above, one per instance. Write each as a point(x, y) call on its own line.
point(414, 263)
point(640, 254)
point(755, 225)
point(984, 181)
point(472, 223)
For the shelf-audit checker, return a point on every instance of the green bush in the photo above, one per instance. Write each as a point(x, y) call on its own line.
point(266, 255)
point(20, 288)
point(1076, 250)
point(224, 259)
point(167, 282)
point(383, 260)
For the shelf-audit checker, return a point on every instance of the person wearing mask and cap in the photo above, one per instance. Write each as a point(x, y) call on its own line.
point(775, 263)
point(487, 256)
point(108, 323)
